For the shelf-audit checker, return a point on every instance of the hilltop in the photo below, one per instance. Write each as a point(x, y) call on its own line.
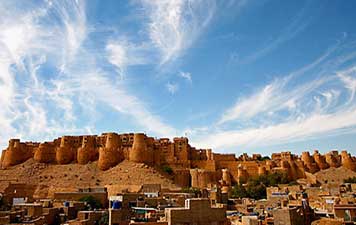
point(135, 159)
point(51, 177)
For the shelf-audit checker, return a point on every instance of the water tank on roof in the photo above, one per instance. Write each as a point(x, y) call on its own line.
point(116, 205)
point(66, 204)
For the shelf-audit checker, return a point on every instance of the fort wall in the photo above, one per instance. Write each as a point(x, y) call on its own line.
point(191, 166)
point(67, 150)
point(347, 161)
point(45, 153)
point(110, 154)
point(16, 153)
point(88, 152)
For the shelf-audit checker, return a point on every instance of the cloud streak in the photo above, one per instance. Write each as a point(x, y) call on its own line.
point(288, 112)
point(187, 76)
point(25, 43)
point(37, 104)
point(174, 25)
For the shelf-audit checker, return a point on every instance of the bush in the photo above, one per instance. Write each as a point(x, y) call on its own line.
point(196, 191)
point(264, 158)
point(239, 191)
point(350, 180)
point(92, 203)
point(104, 220)
point(167, 169)
point(292, 183)
point(256, 187)
point(3, 205)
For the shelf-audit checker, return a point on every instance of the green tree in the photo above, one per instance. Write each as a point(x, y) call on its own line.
point(167, 169)
point(239, 191)
point(104, 220)
point(256, 186)
point(350, 180)
point(194, 190)
point(91, 202)
point(264, 158)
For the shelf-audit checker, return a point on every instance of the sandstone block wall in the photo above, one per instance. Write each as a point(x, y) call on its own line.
point(200, 213)
point(182, 177)
point(45, 153)
point(202, 178)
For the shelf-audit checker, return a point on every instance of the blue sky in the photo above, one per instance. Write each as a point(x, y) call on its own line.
point(236, 75)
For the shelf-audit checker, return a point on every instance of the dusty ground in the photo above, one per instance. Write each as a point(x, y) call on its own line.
point(334, 175)
point(51, 177)
point(327, 221)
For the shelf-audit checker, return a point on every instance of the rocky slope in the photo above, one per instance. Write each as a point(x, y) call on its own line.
point(52, 177)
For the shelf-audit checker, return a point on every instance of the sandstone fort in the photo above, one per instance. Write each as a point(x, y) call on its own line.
point(190, 166)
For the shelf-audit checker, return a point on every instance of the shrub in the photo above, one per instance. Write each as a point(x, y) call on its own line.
point(350, 180)
point(239, 191)
point(167, 169)
point(92, 203)
point(104, 220)
point(256, 187)
point(264, 158)
point(196, 191)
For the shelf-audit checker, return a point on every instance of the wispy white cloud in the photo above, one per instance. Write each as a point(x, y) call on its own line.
point(29, 39)
point(114, 92)
point(73, 21)
point(280, 94)
point(312, 113)
point(290, 131)
point(39, 105)
point(272, 98)
point(174, 25)
point(293, 108)
point(349, 82)
point(187, 76)
point(172, 87)
point(124, 53)
point(100, 88)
